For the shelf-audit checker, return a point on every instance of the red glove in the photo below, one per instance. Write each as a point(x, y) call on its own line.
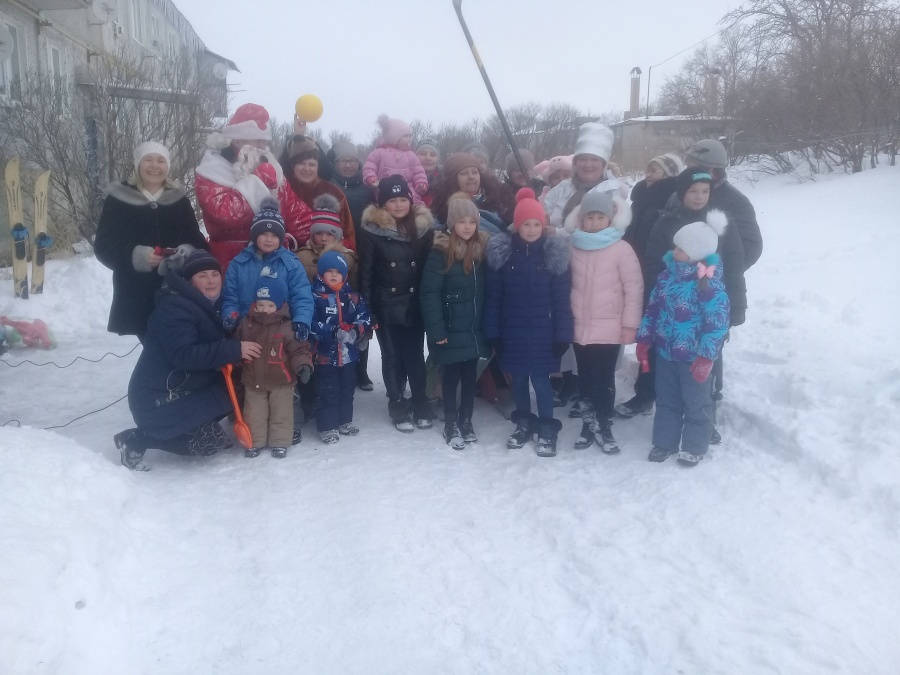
point(701, 368)
point(422, 188)
point(372, 182)
point(266, 173)
point(642, 351)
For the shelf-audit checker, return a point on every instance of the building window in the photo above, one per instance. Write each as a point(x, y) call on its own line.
point(137, 21)
point(11, 71)
point(154, 27)
point(173, 45)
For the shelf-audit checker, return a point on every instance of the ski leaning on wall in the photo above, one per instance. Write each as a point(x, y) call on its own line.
point(42, 240)
point(20, 234)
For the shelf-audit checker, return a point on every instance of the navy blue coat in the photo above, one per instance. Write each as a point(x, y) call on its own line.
point(176, 385)
point(527, 304)
point(336, 310)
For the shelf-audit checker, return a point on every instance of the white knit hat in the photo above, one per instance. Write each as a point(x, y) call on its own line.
point(701, 239)
point(149, 148)
point(595, 138)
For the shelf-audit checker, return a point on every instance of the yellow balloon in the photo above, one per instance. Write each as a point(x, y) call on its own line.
point(308, 107)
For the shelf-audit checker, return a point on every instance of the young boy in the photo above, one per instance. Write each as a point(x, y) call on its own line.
point(269, 379)
point(339, 326)
point(266, 256)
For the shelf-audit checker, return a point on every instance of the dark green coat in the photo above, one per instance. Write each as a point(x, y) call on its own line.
point(452, 302)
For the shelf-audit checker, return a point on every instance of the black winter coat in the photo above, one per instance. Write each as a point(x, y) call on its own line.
point(647, 204)
point(176, 385)
point(128, 220)
point(731, 251)
point(742, 217)
point(358, 195)
point(453, 302)
point(391, 266)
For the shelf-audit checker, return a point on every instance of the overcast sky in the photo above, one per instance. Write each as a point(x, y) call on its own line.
point(409, 58)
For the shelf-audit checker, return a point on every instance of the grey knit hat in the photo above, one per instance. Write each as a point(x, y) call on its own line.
point(597, 201)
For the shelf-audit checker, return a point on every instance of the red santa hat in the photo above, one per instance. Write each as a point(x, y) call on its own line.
point(250, 122)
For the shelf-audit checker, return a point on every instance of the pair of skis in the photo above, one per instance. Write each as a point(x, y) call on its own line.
point(20, 234)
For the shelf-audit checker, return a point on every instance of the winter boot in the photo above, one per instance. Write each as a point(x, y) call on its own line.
point(423, 414)
point(467, 430)
point(568, 389)
point(296, 436)
point(586, 438)
point(658, 454)
point(548, 431)
point(525, 423)
point(330, 436)
point(688, 459)
point(578, 408)
point(252, 452)
point(453, 436)
point(634, 406)
point(605, 438)
point(715, 438)
point(279, 453)
point(348, 429)
point(401, 415)
point(131, 447)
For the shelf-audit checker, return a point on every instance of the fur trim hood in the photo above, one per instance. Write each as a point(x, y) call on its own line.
point(131, 195)
point(555, 250)
point(377, 221)
point(442, 243)
point(620, 221)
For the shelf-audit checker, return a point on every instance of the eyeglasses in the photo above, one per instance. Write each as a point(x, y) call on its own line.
point(347, 161)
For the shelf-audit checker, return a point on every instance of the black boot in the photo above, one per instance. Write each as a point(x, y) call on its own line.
point(525, 424)
point(132, 447)
point(467, 430)
point(401, 415)
point(453, 436)
point(634, 406)
point(586, 438)
point(548, 431)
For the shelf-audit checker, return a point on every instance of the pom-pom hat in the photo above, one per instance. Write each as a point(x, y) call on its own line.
point(701, 239)
point(271, 288)
point(267, 219)
point(392, 129)
point(325, 216)
point(528, 208)
point(250, 122)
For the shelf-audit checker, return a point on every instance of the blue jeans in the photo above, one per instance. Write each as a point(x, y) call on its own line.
point(684, 409)
point(543, 394)
point(335, 386)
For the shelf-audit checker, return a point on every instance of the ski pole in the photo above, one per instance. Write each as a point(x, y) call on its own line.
point(457, 5)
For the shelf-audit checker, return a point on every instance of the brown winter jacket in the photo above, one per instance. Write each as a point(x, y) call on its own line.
point(282, 354)
point(309, 257)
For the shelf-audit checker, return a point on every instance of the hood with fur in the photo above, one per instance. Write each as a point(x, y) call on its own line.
point(377, 221)
point(555, 250)
point(131, 195)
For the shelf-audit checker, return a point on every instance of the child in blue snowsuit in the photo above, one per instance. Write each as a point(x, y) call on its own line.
point(339, 326)
point(265, 256)
point(686, 321)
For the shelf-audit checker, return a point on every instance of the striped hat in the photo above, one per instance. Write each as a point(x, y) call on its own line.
point(325, 216)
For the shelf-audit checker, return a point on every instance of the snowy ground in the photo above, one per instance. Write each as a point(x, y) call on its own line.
point(394, 554)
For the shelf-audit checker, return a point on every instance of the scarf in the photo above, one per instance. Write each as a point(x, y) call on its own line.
point(593, 241)
point(580, 191)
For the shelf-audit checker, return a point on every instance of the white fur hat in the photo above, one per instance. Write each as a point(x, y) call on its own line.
point(701, 239)
point(150, 148)
point(595, 138)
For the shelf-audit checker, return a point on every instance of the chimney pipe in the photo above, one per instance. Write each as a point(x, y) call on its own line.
point(635, 108)
point(711, 90)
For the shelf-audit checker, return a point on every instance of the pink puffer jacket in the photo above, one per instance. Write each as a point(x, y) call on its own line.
point(386, 160)
point(607, 293)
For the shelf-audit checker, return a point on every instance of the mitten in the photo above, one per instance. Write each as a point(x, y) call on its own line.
point(701, 368)
point(230, 322)
point(421, 188)
point(560, 348)
point(175, 261)
point(642, 352)
point(266, 173)
point(301, 331)
point(345, 337)
point(304, 373)
point(738, 316)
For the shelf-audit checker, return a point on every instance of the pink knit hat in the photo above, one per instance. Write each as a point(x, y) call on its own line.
point(392, 129)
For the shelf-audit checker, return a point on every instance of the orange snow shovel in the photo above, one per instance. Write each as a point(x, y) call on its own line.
point(241, 430)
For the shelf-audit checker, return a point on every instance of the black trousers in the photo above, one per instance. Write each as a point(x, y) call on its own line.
point(597, 376)
point(452, 376)
point(402, 361)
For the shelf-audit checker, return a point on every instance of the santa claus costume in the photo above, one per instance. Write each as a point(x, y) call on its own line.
point(236, 173)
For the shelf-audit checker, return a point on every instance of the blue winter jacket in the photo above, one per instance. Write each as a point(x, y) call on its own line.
point(527, 305)
point(334, 310)
point(684, 321)
point(176, 385)
point(247, 267)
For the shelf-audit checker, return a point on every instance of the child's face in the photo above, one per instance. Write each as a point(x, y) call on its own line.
point(595, 221)
point(333, 279)
point(404, 142)
point(653, 173)
point(558, 177)
point(267, 242)
point(428, 158)
point(531, 230)
point(680, 255)
point(464, 228)
point(398, 207)
point(323, 238)
point(697, 196)
point(265, 307)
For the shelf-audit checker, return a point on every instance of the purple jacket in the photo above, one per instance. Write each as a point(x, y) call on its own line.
point(386, 160)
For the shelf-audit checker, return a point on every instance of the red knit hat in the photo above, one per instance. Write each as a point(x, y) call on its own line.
point(527, 208)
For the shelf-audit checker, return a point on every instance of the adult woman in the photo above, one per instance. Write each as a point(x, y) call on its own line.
point(494, 200)
point(396, 243)
point(590, 172)
point(142, 215)
point(177, 394)
point(348, 177)
point(429, 154)
point(304, 180)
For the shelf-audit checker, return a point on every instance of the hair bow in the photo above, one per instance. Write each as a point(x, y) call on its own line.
point(704, 271)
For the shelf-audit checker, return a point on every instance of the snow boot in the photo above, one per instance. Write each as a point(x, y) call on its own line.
point(578, 408)
point(658, 454)
point(296, 436)
point(634, 406)
point(330, 436)
point(252, 452)
point(525, 424)
point(453, 436)
point(279, 453)
point(605, 438)
point(131, 447)
point(467, 430)
point(348, 429)
point(423, 414)
point(586, 438)
point(401, 415)
point(715, 438)
point(688, 459)
point(548, 432)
